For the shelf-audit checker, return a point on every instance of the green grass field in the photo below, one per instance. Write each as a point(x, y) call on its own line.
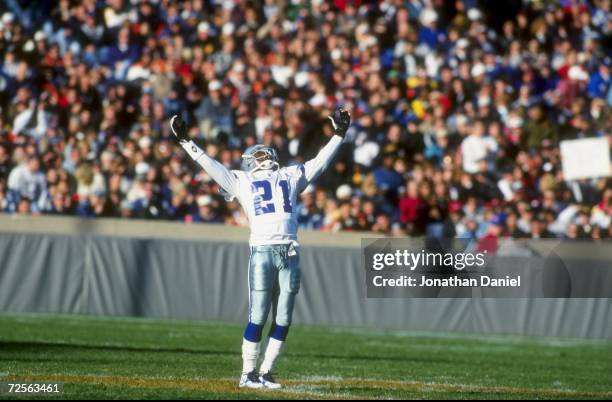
point(141, 358)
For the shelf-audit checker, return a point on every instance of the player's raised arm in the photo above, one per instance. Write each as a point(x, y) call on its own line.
point(219, 173)
point(314, 167)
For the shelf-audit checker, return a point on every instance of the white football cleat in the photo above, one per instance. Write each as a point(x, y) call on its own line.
point(250, 380)
point(268, 381)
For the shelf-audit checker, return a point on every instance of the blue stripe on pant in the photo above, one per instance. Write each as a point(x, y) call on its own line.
point(274, 281)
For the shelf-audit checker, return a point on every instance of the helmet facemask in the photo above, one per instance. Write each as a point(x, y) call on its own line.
point(259, 157)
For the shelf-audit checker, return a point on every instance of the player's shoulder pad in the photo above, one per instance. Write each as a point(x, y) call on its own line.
point(239, 174)
point(295, 170)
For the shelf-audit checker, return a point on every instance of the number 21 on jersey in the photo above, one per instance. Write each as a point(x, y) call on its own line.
point(264, 197)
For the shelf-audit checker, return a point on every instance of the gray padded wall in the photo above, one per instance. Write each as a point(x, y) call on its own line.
point(187, 279)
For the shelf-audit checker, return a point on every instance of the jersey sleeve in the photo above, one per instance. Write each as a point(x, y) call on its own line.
point(314, 167)
point(227, 179)
point(298, 174)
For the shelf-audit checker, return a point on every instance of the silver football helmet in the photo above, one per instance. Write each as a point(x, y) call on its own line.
point(259, 157)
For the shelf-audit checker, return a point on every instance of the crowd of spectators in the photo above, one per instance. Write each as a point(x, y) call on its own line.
point(458, 109)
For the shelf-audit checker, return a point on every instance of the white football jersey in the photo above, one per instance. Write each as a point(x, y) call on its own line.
point(269, 198)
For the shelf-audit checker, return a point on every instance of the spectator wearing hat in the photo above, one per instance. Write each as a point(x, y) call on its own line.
point(27, 182)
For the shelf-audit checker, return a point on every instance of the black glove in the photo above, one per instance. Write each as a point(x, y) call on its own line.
point(340, 121)
point(179, 129)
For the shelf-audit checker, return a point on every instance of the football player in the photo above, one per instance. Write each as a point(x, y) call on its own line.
point(269, 194)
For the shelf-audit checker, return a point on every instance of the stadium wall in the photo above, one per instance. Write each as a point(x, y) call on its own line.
point(173, 270)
